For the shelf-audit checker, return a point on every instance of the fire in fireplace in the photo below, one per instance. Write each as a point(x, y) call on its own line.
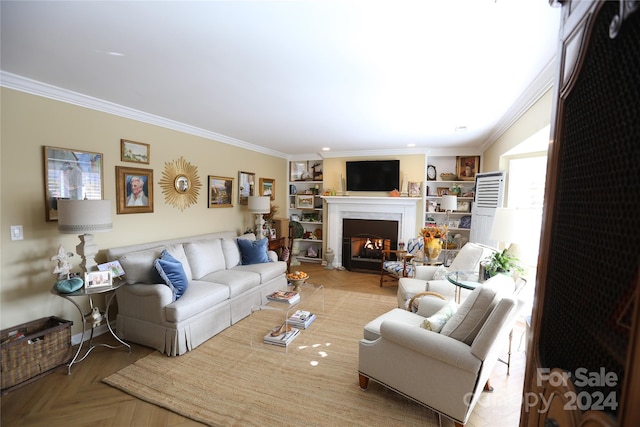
point(363, 242)
point(369, 247)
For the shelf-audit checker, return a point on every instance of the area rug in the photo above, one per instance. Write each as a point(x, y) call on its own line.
point(229, 382)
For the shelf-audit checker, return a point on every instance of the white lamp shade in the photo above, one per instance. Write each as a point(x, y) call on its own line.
point(449, 203)
point(505, 225)
point(84, 216)
point(259, 204)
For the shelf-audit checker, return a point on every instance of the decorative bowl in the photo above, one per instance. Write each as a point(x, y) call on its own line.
point(449, 176)
point(297, 278)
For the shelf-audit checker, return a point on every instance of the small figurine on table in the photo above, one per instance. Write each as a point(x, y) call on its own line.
point(65, 284)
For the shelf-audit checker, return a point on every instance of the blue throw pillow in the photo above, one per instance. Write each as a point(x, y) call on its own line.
point(253, 251)
point(172, 273)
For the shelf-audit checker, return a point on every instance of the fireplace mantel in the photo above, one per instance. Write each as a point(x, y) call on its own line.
point(401, 209)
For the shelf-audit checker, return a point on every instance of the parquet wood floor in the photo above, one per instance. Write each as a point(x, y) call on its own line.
point(81, 399)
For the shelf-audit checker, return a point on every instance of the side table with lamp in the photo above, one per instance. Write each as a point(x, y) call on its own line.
point(85, 217)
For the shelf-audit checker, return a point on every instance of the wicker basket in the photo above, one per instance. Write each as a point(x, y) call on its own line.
point(36, 349)
point(449, 176)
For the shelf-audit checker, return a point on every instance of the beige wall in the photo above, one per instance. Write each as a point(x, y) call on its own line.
point(534, 119)
point(31, 122)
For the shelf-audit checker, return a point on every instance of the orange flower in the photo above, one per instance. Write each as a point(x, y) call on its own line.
point(432, 232)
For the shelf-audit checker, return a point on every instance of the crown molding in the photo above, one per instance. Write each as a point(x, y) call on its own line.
point(16, 82)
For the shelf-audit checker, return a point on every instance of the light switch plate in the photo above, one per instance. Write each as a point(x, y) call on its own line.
point(16, 232)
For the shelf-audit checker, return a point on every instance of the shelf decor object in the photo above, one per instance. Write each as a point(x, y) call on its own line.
point(85, 217)
point(180, 183)
point(448, 203)
point(259, 205)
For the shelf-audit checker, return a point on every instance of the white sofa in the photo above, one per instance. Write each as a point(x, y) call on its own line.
point(220, 291)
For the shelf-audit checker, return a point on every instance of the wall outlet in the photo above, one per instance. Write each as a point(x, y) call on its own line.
point(16, 232)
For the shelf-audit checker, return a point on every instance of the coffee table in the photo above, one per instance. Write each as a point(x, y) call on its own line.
point(463, 280)
point(267, 315)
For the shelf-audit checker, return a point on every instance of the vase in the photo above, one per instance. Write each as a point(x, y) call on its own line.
point(433, 248)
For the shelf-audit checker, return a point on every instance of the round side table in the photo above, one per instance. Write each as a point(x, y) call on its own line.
point(95, 316)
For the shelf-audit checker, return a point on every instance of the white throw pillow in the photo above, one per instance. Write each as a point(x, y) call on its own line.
point(440, 272)
point(437, 321)
point(204, 257)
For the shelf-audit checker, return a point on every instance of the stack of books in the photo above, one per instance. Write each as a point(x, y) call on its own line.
point(284, 296)
point(301, 319)
point(281, 339)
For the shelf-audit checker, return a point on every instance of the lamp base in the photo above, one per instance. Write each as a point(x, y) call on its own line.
point(87, 249)
point(259, 225)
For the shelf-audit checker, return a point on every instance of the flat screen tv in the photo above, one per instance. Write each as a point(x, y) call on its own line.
point(373, 175)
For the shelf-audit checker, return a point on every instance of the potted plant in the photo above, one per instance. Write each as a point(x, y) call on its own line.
point(500, 262)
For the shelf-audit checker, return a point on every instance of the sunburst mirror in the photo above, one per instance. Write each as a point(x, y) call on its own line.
point(180, 183)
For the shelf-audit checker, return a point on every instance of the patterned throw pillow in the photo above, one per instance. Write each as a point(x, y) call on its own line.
point(436, 321)
point(284, 256)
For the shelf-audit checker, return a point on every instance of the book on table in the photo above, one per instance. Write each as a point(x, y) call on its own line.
point(301, 319)
point(284, 296)
point(281, 339)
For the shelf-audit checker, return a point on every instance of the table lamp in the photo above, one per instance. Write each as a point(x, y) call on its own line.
point(448, 203)
point(259, 205)
point(505, 229)
point(85, 217)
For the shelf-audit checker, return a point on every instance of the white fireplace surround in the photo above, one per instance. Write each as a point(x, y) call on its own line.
point(401, 209)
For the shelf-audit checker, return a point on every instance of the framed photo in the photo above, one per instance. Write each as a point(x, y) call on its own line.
point(272, 233)
point(443, 191)
point(415, 189)
point(246, 186)
point(96, 279)
point(453, 223)
point(298, 171)
point(315, 170)
point(71, 174)
point(463, 206)
point(268, 187)
point(136, 152)
point(295, 217)
point(114, 266)
point(220, 192)
point(304, 201)
point(134, 190)
point(467, 167)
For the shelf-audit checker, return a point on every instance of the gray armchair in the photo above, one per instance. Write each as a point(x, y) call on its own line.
point(447, 370)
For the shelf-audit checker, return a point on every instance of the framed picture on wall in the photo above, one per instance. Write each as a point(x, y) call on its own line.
point(134, 190)
point(467, 167)
point(136, 152)
point(220, 192)
point(246, 186)
point(268, 187)
point(70, 174)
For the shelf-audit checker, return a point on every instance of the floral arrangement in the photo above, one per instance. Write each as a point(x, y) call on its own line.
point(434, 232)
point(273, 210)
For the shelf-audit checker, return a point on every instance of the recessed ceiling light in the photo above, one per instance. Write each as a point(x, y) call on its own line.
point(115, 53)
point(411, 145)
point(461, 128)
point(326, 148)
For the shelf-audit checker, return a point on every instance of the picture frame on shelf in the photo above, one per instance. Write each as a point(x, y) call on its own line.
point(246, 186)
point(315, 169)
point(304, 201)
point(71, 174)
point(97, 279)
point(463, 206)
point(443, 191)
point(415, 189)
point(135, 152)
point(134, 190)
point(295, 217)
point(453, 223)
point(114, 266)
point(220, 192)
point(298, 171)
point(268, 188)
point(467, 167)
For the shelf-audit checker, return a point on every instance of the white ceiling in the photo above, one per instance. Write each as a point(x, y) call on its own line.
point(292, 77)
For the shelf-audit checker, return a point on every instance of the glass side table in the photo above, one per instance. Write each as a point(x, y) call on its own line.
point(463, 280)
point(310, 294)
point(92, 319)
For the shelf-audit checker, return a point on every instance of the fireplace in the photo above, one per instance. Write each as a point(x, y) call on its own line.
point(401, 210)
point(363, 241)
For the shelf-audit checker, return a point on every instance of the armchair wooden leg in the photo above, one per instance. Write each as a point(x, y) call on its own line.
point(364, 382)
point(487, 387)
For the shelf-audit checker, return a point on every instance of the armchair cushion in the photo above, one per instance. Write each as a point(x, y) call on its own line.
point(437, 321)
point(472, 313)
